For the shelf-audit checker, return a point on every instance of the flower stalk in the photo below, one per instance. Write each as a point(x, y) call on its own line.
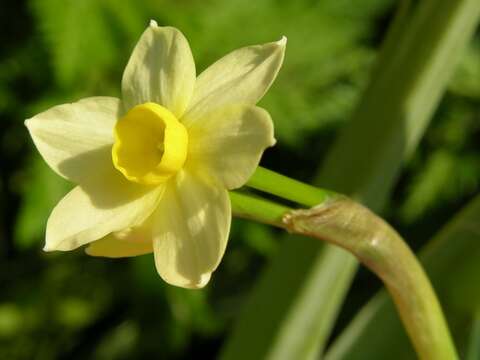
point(287, 188)
point(343, 222)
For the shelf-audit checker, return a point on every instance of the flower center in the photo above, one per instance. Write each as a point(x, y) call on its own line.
point(150, 144)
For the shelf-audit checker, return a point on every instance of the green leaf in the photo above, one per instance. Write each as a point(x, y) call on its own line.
point(451, 261)
point(429, 182)
point(41, 192)
point(259, 238)
point(294, 306)
point(78, 38)
point(447, 168)
point(466, 81)
point(473, 351)
point(130, 18)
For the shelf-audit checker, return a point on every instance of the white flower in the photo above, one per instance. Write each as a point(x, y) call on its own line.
point(154, 167)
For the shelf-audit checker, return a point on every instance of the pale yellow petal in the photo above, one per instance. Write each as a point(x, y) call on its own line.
point(228, 143)
point(75, 139)
point(90, 212)
point(126, 243)
point(161, 70)
point(243, 76)
point(191, 226)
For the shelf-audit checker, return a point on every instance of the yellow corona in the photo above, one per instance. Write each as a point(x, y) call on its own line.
point(150, 144)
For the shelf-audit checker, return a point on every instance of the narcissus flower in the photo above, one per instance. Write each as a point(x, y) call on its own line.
point(153, 168)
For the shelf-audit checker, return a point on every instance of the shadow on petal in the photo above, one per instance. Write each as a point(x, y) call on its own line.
point(191, 226)
point(94, 172)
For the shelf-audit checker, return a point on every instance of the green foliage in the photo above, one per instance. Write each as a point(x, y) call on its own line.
point(448, 168)
point(73, 306)
point(38, 200)
point(467, 78)
point(473, 351)
point(79, 41)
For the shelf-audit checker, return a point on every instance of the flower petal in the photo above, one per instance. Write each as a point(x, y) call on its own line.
point(130, 242)
point(190, 230)
point(74, 139)
point(89, 213)
point(243, 76)
point(228, 143)
point(161, 69)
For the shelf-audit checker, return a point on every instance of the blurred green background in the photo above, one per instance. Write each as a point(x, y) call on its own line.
point(69, 305)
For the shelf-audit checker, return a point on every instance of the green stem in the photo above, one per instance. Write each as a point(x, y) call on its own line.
point(258, 209)
point(282, 186)
point(348, 224)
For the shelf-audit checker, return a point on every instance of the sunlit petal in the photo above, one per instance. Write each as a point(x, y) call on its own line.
point(89, 213)
point(75, 139)
point(191, 228)
point(161, 70)
point(243, 76)
point(229, 142)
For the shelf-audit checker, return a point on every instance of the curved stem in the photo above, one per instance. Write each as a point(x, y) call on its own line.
point(348, 224)
point(378, 246)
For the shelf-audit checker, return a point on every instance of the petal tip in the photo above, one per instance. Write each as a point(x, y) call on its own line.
point(28, 123)
point(282, 41)
point(153, 24)
point(200, 284)
point(48, 248)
